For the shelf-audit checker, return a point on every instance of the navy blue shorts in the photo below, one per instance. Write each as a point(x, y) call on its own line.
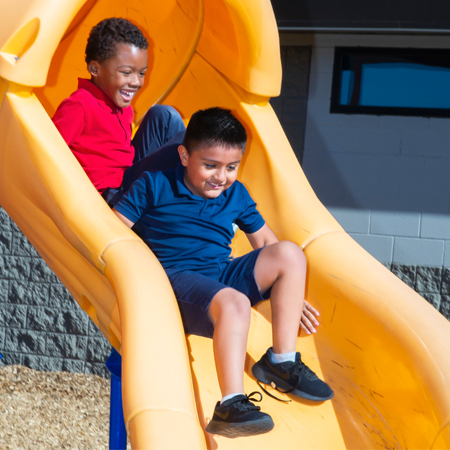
point(195, 291)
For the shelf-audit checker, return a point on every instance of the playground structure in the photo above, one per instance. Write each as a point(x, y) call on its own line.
point(382, 348)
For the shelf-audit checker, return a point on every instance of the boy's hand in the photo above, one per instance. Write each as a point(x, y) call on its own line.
point(308, 320)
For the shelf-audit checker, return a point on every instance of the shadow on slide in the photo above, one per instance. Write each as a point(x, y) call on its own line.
point(383, 349)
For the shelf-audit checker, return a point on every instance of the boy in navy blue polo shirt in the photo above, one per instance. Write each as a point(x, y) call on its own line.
point(186, 216)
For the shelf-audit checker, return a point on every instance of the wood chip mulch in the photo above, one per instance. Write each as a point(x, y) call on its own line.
point(52, 410)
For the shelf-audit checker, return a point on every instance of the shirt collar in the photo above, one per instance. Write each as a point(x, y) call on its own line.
point(183, 190)
point(103, 100)
point(181, 186)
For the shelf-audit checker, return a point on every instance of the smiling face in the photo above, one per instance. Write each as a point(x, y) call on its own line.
point(210, 170)
point(121, 76)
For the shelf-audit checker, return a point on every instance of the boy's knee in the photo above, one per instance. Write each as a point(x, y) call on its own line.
point(240, 304)
point(291, 254)
point(167, 113)
point(231, 302)
point(161, 110)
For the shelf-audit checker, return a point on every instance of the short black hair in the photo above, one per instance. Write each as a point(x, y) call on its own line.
point(102, 40)
point(214, 126)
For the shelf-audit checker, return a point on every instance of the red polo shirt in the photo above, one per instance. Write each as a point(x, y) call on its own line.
point(98, 132)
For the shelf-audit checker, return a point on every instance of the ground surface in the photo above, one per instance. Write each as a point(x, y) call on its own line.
point(52, 410)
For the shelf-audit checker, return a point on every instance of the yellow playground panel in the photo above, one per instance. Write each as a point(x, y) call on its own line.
point(383, 349)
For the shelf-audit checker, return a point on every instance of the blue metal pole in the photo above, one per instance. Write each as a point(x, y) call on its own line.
point(117, 431)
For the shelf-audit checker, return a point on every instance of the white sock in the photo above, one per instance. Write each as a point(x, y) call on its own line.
point(278, 358)
point(227, 397)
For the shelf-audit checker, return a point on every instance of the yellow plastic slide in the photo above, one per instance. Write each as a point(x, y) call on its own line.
point(383, 349)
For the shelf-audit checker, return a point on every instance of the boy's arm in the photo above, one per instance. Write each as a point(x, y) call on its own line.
point(261, 238)
point(126, 221)
point(133, 204)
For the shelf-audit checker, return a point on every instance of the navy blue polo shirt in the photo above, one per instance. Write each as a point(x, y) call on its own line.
point(185, 231)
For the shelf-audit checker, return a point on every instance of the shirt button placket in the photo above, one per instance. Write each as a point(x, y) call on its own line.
point(203, 211)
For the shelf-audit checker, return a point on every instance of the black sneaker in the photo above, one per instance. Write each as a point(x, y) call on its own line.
point(291, 377)
point(238, 417)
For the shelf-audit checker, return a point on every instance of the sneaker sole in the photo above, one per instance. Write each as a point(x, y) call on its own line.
point(261, 375)
point(240, 429)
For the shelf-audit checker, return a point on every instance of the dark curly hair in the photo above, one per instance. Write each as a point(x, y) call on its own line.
point(102, 40)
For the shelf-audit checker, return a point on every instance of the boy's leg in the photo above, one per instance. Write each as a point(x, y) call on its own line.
point(212, 309)
point(160, 124)
point(281, 267)
point(236, 415)
point(156, 143)
point(230, 312)
point(202, 299)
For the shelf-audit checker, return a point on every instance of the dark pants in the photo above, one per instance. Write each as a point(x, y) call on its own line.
point(156, 145)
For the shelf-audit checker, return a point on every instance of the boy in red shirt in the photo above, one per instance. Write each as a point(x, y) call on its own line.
point(95, 121)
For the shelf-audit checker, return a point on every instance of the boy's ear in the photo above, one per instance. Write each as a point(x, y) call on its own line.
point(93, 68)
point(184, 155)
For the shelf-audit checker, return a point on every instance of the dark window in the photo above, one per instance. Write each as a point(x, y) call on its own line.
point(413, 82)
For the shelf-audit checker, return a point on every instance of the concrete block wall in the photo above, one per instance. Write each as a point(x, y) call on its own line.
point(403, 237)
point(41, 326)
point(384, 178)
point(291, 105)
point(398, 241)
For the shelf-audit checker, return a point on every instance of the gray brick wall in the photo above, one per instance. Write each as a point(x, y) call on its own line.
point(432, 283)
point(41, 326)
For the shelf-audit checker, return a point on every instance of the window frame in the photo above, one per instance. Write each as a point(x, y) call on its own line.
point(339, 52)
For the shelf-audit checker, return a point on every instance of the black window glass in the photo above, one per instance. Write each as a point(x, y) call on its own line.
point(391, 81)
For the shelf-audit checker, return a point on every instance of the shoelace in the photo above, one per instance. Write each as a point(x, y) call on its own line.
point(295, 370)
point(246, 403)
point(300, 369)
point(274, 396)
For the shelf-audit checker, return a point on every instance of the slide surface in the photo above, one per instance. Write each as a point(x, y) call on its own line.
point(382, 348)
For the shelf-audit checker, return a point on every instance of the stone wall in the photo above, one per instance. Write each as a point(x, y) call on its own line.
point(432, 283)
point(41, 326)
